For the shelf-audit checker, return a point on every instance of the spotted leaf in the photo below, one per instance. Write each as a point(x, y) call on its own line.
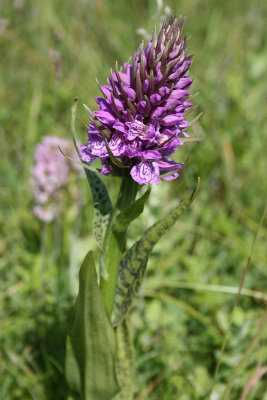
point(102, 206)
point(133, 264)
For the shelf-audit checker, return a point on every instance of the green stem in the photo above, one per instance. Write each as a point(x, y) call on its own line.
point(115, 242)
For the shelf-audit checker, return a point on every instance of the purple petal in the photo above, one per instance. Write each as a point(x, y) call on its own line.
point(141, 107)
point(119, 126)
point(116, 145)
point(130, 135)
point(164, 91)
point(185, 134)
point(168, 165)
point(145, 172)
point(145, 85)
point(118, 103)
point(127, 68)
point(106, 90)
point(126, 117)
point(178, 72)
point(85, 154)
point(105, 117)
point(178, 94)
point(171, 103)
point(180, 108)
point(133, 148)
point(106, 167)
point(125, 78)
point(171, 119)
point(102, 103)
point(92, 130)
point(170, 177)
point(150, 155)
point(159, 76)
point(171, 142)
point(183, 83)
point(175, 52)
point(187, 104)
point(184, 124)
point(130, 93)
point(148, 48)
point(136, 126)
point(158, 112)
point(97, 146)
point(155, 99)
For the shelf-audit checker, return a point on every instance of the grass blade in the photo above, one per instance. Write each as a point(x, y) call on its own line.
point(234, 308)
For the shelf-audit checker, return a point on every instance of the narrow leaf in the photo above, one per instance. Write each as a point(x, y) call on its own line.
point(136, 208)
point(91, 343)
point(133, 264)
point(125, 365)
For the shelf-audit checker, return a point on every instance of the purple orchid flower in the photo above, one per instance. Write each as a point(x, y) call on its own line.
point(50, 174)
point(143, 110)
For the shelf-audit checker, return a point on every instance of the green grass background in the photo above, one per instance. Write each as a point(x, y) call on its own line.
point(179, 320)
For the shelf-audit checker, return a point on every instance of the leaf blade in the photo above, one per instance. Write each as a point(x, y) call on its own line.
point(91, 343)
point(102, 206)
point(125, 365)
point(133, 264)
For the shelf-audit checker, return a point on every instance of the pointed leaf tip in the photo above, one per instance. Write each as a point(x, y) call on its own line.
point(195, 191)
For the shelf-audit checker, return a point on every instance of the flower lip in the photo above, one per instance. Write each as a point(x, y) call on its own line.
point(136, 126)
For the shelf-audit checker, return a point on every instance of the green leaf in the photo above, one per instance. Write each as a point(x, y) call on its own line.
point(125, 365)
point(71, 368)
point(133, 264)
point(130, 213)
point(102, 203)
point(102, 206)
point(91, 341)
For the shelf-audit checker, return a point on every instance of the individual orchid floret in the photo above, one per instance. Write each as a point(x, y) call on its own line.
point(141, 118)
point(50, 174)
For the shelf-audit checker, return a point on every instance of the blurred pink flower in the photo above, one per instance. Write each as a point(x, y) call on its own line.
point(50, 174)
